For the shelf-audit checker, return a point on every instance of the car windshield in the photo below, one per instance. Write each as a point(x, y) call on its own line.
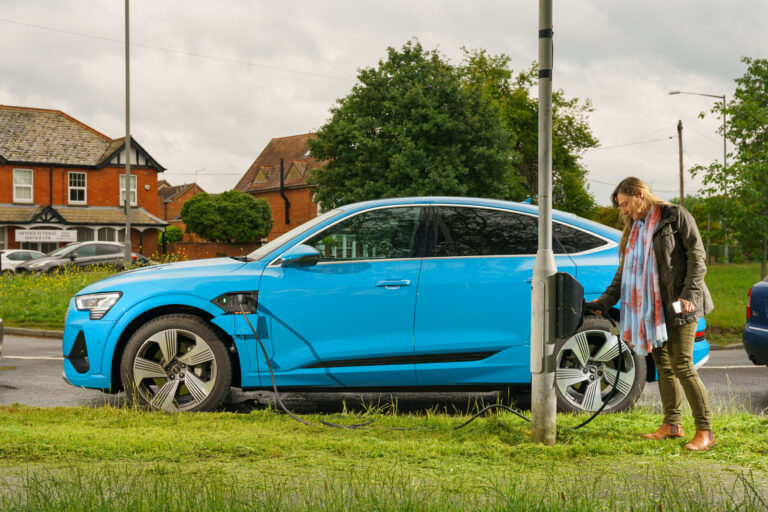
point(61, 251)
point(285, 237)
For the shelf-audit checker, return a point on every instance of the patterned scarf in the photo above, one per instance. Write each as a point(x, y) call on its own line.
point(642, 315)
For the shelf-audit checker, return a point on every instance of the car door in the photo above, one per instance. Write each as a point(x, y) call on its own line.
point(473, 314)
point(85, 255)
point(348, 320)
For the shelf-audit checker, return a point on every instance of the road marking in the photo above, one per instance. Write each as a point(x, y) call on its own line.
point(35, 358)
point(729, 367)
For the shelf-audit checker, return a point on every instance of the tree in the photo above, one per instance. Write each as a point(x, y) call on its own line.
point(173, 234)
point(571, 133)
point(410, 126)
point(229, 217)
point(740, 191)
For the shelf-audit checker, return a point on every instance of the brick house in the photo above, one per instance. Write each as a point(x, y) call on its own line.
point(57, 173)
point(292, 203)
point(172, 198)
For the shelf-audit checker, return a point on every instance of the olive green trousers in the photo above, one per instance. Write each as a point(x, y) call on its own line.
point(674, 362)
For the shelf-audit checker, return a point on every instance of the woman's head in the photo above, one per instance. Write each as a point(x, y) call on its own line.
point(634, 197)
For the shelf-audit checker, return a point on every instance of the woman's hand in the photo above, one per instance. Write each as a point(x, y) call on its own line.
point(686, 305)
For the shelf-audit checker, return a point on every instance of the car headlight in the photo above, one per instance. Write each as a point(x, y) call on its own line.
point(97, 303)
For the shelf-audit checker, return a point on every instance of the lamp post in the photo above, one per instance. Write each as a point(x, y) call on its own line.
point(725, 158)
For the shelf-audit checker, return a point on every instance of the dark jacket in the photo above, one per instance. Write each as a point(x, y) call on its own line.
point(681, 258)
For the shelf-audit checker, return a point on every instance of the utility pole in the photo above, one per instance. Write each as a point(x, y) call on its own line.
point(680, 146)
point(543, 402)
point(127, 255)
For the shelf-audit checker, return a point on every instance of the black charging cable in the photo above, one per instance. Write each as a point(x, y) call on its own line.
point(367, 424)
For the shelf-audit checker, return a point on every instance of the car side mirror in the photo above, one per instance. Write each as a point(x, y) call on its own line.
point(300, 256)
point(72, 257)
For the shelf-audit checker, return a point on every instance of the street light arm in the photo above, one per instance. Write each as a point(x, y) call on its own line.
point(721, 96)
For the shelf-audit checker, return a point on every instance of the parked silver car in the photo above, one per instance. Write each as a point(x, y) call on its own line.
point(81, 254)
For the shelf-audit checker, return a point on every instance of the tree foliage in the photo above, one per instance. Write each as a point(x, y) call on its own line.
point(417, 125)
point(173, 234)
point(229, 217)
point(738, 192)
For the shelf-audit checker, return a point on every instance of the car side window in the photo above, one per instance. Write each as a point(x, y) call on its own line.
point(386, 233)
point(465, 231)
point(105, 250)
point(571, 240)
point(85, 251)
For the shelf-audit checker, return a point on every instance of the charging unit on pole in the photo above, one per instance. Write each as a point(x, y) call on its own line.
point(569, 304)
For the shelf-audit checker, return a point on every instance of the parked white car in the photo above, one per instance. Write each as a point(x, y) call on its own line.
point(12, 258)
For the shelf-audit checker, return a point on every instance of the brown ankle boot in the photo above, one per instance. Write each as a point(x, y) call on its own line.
point(665, 431)
point(702, 441)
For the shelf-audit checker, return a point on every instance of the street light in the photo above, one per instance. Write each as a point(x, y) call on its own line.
point(725, 158)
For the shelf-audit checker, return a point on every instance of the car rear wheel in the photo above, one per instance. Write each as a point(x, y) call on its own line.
point(587, 365)
point(176, 363)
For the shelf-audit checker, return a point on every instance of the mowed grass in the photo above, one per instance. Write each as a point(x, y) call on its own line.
point(729, 285)
point(125, 459)
point(41, 301)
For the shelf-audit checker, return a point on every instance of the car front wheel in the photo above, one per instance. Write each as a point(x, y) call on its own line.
point(176, 363)
point(587, 365)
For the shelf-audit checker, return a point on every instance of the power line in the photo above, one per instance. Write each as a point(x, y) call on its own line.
point(178, 52)
point(632, 143)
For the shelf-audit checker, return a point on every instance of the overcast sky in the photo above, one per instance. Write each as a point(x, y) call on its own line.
point(213, 82)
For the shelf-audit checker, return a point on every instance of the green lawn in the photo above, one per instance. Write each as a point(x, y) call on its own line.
point(81, 459)
point(729, 285)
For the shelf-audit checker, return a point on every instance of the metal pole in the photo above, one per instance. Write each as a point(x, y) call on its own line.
point(680, 147)
point(543, 403)
point(725, 172)
point(127, 256)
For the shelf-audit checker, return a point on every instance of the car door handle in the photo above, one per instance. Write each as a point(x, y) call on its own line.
point(394, 284)
point(529, 280)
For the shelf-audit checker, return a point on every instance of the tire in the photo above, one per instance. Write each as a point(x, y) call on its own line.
point(155, 375)
point(586, 370)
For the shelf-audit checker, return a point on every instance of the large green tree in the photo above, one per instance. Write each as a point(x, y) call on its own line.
point(571, 133)
point(739, 192)
point(410, 126)
point(229, 217)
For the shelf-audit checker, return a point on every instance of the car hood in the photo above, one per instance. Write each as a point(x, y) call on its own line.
point(170, 277)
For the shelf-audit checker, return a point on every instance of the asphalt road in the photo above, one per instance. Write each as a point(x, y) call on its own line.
point(30, 374)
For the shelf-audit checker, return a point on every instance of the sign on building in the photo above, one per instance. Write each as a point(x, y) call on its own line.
point(46, 235)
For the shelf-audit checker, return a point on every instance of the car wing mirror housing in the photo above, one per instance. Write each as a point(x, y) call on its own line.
point(300, 256)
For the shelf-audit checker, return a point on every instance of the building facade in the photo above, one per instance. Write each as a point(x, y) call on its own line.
point(58, 174)
point(291, 199)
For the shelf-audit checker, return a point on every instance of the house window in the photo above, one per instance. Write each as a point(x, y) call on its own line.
point(106, 235)
point(84, 235)
point(133, 189)
point(2, 237)
point(22, 185)
point(77, 188)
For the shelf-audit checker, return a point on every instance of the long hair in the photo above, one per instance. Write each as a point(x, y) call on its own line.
point(632, 186)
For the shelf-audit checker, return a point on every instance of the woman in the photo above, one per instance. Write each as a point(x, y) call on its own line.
point(660, 282)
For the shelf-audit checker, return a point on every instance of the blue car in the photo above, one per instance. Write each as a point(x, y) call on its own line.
point(755, 334)
point(408, 293)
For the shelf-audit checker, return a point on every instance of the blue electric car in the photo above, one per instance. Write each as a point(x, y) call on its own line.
point(408, 293)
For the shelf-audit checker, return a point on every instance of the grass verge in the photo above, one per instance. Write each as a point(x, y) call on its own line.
point(729, 285)
point(114, 458)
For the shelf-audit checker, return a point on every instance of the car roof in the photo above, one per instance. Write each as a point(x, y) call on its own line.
point(569, 218)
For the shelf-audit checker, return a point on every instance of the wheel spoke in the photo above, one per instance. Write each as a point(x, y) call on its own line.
point(569, 376)
point(165, 396)
point(609, 350)
point(201, 353)
point(592, 397)
point(146, 369)
point(625, 380)
point(580, 347)
point(197, 388)
point(168, 341)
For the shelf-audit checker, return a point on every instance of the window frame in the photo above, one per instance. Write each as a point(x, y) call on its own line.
point(31, 186)
point(432, 234)
point(71, 188)
point(134, 186)
point(421, 241)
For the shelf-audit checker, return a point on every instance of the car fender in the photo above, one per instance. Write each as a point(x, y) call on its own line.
point(148, 304)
